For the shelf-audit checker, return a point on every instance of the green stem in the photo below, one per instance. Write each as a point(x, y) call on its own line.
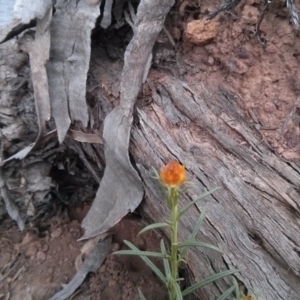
point(174, 242)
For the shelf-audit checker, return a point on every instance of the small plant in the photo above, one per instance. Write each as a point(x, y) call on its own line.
point(172, 177)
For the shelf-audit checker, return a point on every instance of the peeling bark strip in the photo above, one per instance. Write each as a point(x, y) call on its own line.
point(19, 15)
point(254, 218)
point(121, 189)
point(69, 61)
point(23, 186)
point(38, 48)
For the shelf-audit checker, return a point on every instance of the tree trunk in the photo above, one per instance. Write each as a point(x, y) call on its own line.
point(254, 218)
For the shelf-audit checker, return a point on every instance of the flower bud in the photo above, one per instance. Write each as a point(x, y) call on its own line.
point(173, 174)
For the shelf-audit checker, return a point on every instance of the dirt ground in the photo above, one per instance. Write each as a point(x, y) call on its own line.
point(38, 262)
point(262, 71)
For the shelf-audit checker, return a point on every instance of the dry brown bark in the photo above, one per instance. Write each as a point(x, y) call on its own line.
point(254, 218)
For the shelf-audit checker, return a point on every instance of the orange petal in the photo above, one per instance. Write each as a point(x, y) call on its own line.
point(173, 174)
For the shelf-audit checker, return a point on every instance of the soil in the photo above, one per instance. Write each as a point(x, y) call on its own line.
point(261, 71)
point(38, 262)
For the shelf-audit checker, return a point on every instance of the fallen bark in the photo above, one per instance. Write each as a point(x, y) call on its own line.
point(121, 182)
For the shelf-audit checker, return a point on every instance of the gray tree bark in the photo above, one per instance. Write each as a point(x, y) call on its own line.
point(254, 218)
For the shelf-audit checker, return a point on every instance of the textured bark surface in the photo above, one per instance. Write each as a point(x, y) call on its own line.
point(30, 187)
point(254, 218)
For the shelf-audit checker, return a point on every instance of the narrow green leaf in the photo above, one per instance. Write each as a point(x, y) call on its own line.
point(153, 226)
point(186, 208)
point(237, 288)
point(199, 244)
point(206, 281)
point(140, 253)
point(199, 223)
point(141, 295)
point(227, 293)
point(195, 230)
point(156, 175)
point(177, 291)
point(182, 260)
point(149, 263)
point(187, 185)
point(165, 260)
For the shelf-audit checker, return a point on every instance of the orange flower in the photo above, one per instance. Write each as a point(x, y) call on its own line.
point(173, 174)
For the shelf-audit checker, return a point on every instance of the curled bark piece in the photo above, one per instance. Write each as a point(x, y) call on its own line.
point(106, 20)
point(38, 48)
point(121, 188)
point(69, 61)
